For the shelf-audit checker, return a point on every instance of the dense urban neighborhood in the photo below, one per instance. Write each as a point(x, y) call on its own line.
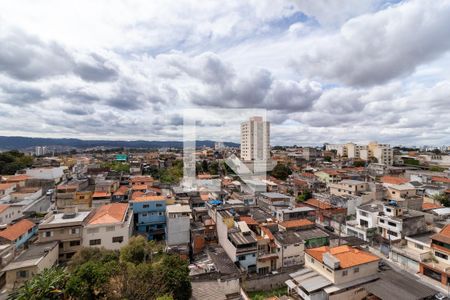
point(339, 221)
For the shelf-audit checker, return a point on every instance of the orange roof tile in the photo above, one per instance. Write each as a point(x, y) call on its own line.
point(3, 207)
point(330, 172)
point(121, 191)
point(139, 187)
point(136, 195)
point(296, 223)
point(443, 235)
point(428, 206)
point(16, 178)
point(4, 186)
point(249, 220)
point(267, 232)
point(347, 256)
point(145, 198)
point(110, 213)
point(440, 179)
point(204, 176)
point(308, 175)
point(101, 194)
point(204, 197)
point(142, 179)
point(393, 180)
point(319, 204)
point(14, 231)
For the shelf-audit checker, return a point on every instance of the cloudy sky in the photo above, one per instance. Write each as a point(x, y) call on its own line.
point(325, 70)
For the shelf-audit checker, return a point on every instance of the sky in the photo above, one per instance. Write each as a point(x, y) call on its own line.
point(321, 70)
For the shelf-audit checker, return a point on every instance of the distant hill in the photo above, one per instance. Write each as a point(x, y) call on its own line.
point(21, 143)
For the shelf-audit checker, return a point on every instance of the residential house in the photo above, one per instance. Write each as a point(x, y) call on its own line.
point(32, 261)
point(395, 222)
point(412, 250)
point(240, 246)
point(56, 174)
point(334, 273)
point(6, 189)
point(437, 267)
point(9, 213)
point(100, 198)
point(150, 216)
point(19, 233)
point(349, 187)
point(110, 227)
point(366, 223)
point(178, 218)
point(273, 201)
point(66, 228)
point(328, 176)
point(295, 213)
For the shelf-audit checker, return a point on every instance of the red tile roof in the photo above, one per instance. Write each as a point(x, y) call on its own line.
point(428, 206)
point(393, 180)
point(122, 191)
point(296, 223)
point(318, 204)
point(3, 207)
point(136, 195)
point(348, 257)
point(145, 198)
point(15, 231)
point(110, 213)
point(4, 186)
point(16, 178)
point(440, 179)
point(139, 187)
point(101, 195)
point(142, 179)
point(249, 220)
point(267, 232)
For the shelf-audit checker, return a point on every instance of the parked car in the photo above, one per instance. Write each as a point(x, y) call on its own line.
point(329, 228)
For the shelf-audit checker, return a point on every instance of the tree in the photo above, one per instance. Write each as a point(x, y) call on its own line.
point(327, 158)
point(359, 163)
point(90, 280)
point(176, 277)
point(305, 195)
point(205, 165)
point(49, 284)
point(442, 198)
point(281, 171)
point(213, 168)
point(13, 161)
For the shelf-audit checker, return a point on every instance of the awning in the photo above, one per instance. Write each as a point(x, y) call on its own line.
point(290, 284)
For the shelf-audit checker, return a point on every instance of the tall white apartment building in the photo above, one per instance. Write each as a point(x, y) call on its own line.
point(255, 140)
point(382, 152)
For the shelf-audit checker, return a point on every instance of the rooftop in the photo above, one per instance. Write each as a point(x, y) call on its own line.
point(296, 223)
point(393, 180)
point(178, 208)
point(275, 195)
point(16, 230)
point(109, 214)
point(317, 203)
point(348, 256)
point(31, 257)
point(146, 198)
point(61, 219)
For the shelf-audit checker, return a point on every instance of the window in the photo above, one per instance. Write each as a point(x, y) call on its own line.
point(312, 260)
point(92, 230)
point(344, 273)
point(241, 257)
point(144, 214)
point(160, 214)
point(117, 239)
point(110, 228)
point(95, 242)
point(393, 193)
point(393, 233)
point(381, 221)
point(74, 230)
point(158, 204)
point(356, 270)
point(145, 206)
point(363, 213)
point(22, 274)
point(48, 233)
point(418, 246)
point(388, 210)
point(441, 255)
point(74, 243)
point(392, 224)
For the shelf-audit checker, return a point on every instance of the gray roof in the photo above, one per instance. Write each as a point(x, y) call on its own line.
point(275, 195)
point(422, 237)
point(394, 285)
point(371, 207)
point(239, 238)
point(221, 261)
point(311, 233)
point(31, 257)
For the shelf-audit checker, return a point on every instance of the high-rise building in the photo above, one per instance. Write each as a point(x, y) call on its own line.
point(255, 140)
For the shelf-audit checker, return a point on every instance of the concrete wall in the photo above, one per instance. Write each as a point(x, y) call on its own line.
point(265, 282)
point(106, 233)
point(10, 214)
point(178, 230)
